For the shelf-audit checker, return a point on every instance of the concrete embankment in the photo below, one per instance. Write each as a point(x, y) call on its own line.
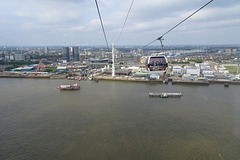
point(224, 82)
point(127, 79)
point(189, 82)
point(24, 75)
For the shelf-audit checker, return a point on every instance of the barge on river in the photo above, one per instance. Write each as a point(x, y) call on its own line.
point(69, 87)
point(165, 95)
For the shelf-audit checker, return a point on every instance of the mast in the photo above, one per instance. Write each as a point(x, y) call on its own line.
point(238, 68)
point(113, 59)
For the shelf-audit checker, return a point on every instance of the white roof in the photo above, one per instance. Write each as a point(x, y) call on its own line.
point(60, 67)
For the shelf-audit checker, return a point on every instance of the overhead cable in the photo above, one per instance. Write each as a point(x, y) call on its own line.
point(125, 22)
point(161, 37)
point(102, 24)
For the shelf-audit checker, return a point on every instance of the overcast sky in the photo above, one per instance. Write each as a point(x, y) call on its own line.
point(76, 22)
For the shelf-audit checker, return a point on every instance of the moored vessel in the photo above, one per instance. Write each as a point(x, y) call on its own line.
point(69, 87)
point(165, 95)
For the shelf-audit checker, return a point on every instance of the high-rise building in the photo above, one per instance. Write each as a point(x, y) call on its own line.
point(75, 52)
point(46, 50)
point(65, 55)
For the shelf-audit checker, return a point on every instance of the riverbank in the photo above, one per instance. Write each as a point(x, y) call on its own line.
point(110, 78)
point(128, 79)
point(166, 80)
point(25, 75)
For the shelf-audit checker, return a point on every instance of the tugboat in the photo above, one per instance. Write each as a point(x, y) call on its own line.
point(69, 87)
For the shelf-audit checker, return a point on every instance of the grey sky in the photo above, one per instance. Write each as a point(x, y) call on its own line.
point(75, 22)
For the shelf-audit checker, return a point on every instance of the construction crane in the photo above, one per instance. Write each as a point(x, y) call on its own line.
point(40, 61)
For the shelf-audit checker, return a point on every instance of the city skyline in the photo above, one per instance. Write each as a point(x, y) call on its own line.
point(76, 23)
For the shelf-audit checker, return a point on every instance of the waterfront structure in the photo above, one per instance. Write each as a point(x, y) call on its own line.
point(189, 77)
point(26, 69)
point(60, 68)
point(65, 55)
point(75, 52)
point(236, 77)
point(193, 71)
point(221, 78)
point(209, 74)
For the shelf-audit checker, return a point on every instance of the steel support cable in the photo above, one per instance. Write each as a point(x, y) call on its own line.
point(102, 24)
point(125, 22)
point(160, 38)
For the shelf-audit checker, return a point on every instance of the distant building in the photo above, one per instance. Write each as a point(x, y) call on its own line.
point(19, 57)
point(2, 56)
point(126, 54)
point(7, 57)
point(231, 50)
point(75, 52)
point(12, 58)
point(46, 50)
point(205, 66)
point(66, 55)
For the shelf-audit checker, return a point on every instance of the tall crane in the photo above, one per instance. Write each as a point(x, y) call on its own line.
point(40, 61)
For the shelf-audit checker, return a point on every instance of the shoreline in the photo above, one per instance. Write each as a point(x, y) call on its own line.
point(126, 79)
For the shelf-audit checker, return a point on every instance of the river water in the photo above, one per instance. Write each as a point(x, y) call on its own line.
point(109, 120)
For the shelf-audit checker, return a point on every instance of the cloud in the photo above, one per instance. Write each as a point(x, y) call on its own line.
point(78, 19)
point(76, 28)
point(4, 21)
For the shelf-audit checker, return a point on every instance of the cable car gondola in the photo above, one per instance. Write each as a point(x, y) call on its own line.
point(157, 64)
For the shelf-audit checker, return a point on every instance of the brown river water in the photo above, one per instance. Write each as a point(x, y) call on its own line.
point(109, 120)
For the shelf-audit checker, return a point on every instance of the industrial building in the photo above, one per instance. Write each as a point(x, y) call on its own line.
point(61, 69)
point(178, 70)
point(25, 69)
point(193, 71)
